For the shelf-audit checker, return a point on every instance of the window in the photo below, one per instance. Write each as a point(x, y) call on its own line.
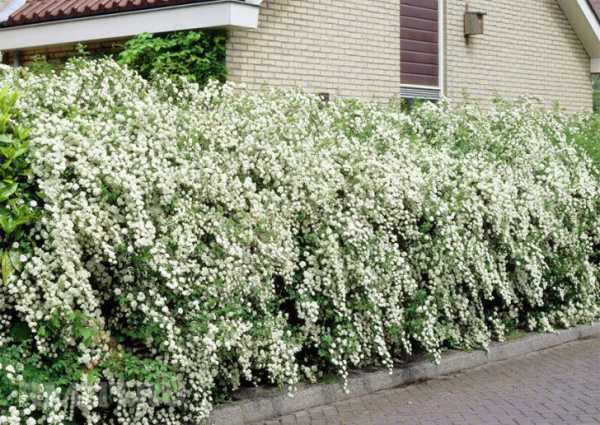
point(421, 41)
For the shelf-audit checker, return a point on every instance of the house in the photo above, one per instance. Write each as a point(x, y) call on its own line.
point(371, 49)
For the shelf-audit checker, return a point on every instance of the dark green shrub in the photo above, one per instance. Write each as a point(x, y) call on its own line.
point(18, 199)
point(585, 134)
point(198, 56)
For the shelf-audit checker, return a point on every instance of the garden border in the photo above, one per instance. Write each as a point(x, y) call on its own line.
point(265, 404)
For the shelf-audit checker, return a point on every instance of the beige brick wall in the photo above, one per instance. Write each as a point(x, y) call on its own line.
point(347, 48)
point(528, 48)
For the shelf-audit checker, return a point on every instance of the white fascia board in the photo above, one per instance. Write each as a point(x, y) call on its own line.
point(216, 14)
point(586, 25)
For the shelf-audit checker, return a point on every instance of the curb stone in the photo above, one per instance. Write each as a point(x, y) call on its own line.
point(265, 404)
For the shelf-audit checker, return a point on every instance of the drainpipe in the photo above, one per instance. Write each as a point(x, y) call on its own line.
point(16, 58)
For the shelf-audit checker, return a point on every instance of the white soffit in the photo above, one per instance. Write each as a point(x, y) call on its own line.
point(586, 25)
point(215, 14)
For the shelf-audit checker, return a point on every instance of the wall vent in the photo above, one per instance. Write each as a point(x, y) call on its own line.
point(420, 93)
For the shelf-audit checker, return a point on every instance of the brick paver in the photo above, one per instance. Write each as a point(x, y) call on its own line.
point(560, 386)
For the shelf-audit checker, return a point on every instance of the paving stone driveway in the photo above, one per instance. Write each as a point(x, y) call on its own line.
point(556, 386)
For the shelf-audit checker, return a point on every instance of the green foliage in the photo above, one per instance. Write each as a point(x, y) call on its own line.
point(28, 373)
point(129, 367)
point(39, 65)
point(198, 56)
point(18, 199)
point(584, 132)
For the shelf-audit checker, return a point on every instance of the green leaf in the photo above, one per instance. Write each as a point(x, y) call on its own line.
point(8, 151)
point(6, 191)
point(22, 150)
point(6, 138)
point(87, 334)
point(7, 223)
point(21, 133)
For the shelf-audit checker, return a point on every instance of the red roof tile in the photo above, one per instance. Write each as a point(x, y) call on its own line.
point(34, 11)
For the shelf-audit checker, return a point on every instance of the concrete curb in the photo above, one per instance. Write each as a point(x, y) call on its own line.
point(264, 405)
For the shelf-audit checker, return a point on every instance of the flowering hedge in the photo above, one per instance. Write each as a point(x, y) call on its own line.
point(194, 241)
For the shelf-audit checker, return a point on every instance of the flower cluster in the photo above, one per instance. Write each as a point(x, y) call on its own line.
point(197, 240)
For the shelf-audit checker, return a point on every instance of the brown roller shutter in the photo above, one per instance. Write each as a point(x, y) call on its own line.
point(419, 42)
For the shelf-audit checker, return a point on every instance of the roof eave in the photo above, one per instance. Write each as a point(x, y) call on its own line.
point(584, 21)
point(214, 14)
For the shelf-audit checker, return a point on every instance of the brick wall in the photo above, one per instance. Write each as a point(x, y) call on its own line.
point(59, 54)
point(528, 47)
point(346, 48)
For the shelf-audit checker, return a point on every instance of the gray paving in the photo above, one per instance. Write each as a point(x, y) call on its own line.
point(553, 387)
